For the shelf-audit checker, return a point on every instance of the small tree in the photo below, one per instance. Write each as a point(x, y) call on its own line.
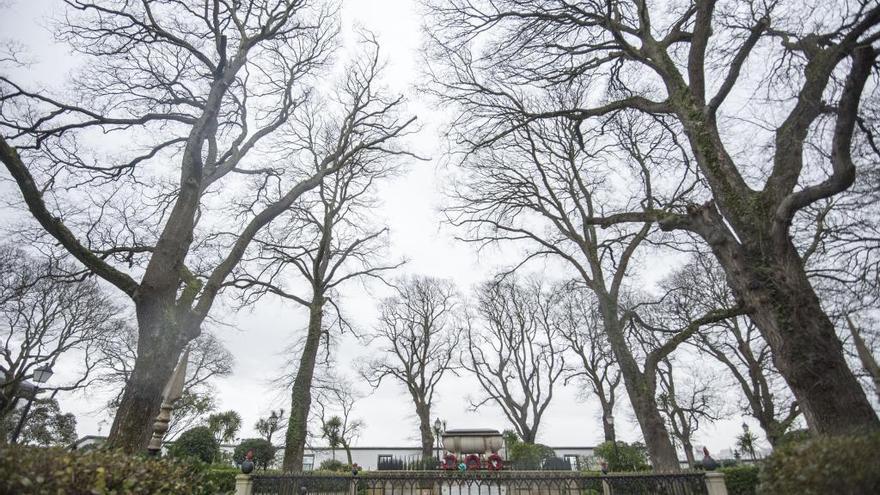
point(46, 425)
point(330, 431)
point(623, 456)
point(198, 443)
point(264, 452)
point(268, 426)
point(224, 425)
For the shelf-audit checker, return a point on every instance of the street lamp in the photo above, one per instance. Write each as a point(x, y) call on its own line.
point(41, 375)
point(272, 424)
point(438, 428)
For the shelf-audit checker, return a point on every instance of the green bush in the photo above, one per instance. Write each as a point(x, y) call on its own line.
point(223, 478)
point(198, 443)
point(334, 465)
point(529, 455)
point(54, 471)
point(741, 480)
point(626, 457)
point(264, 452)
point(794, 436)
point(820, 465)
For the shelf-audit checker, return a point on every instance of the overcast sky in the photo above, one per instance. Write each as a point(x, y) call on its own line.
point(410, 208)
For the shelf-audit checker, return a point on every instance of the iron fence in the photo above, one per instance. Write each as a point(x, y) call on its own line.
point(480, 483)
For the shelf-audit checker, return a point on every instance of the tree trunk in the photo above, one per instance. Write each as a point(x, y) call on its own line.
point(689, 452)
point(423, 411)
point(301, 394)
point(347, 448)
point(869, 362)
point(806, 349)
point(608, 423)
point(158, 350)
point(641, 389)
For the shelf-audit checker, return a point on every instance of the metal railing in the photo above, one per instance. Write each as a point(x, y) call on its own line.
point(480, 483)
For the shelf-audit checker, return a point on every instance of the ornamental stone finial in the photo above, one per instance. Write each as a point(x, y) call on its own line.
point(173, 391)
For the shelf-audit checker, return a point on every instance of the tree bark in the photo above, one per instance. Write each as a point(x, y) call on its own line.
point(806, 349)
point(301, 393)
point(423, 411)
point(160, 343)
point(869, 362)
point(641, 388)
point(607, 420)
point(689, 453)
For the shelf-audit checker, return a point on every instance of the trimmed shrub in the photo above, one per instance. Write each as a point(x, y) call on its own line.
point(264, 452)
point(556, 464)
point(334, 465)
point(222, 478)
point(55, 470)
point(840, 465)
point(529, 455)
point(741, 480)
point(198, 443)
point(626, 457)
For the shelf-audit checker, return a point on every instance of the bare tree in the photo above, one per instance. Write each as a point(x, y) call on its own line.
point(327, 237)
point(336, 397)
point(418, 333)
point(45, 317)
point(800, 76)
point(580, 324)
point(687, 401)
point(538, 187)
point(207, 89)
point(513, 352)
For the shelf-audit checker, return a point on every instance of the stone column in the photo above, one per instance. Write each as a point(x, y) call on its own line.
point(715, 483)
point(243, 484)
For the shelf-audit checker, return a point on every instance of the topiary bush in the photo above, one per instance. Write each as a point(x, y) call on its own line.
point(54, 470)
point(741, 480)
point(821, 465)
point(198, 443)
point(264, 452)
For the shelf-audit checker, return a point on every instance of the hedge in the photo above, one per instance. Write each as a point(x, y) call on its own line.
point(741, 480)
point(38, 471)
point(840, 465)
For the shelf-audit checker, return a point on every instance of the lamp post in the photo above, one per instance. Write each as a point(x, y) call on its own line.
point(439, 426)
point(273, 425)
point(41, 375)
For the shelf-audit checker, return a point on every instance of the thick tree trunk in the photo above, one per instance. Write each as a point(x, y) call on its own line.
point(641, 389)
point(806, 349)
point(301, 394)
point(423, 411)
point(158, 350)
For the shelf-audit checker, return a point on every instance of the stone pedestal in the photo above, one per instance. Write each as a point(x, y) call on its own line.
point(243, 484)
point(715, 484)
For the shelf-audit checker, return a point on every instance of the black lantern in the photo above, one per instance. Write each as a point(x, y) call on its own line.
point(43, 373)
